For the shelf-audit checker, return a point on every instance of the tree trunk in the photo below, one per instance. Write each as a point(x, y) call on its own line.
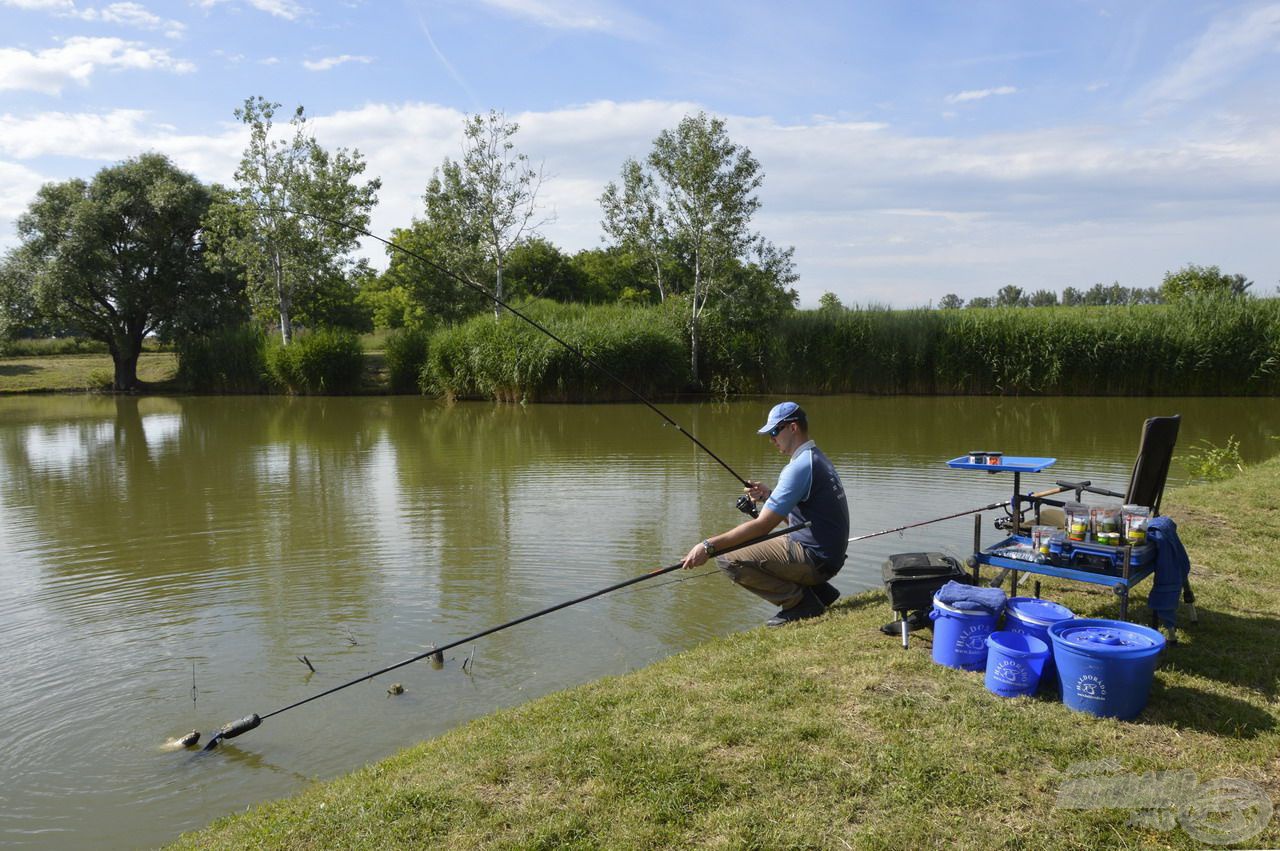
point(497, 291)
point(286, 303)
point(126, 377)
point(693, 317)
point(693, 347)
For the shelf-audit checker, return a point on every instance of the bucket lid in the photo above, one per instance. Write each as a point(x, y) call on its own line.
point(1106, 638)
point(1038, 612)
point(947, 607)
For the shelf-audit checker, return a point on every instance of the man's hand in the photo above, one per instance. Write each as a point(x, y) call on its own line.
point(757, 491)
point(696, 557)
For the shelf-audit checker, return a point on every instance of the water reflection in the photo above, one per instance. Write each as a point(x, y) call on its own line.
point(142, 537)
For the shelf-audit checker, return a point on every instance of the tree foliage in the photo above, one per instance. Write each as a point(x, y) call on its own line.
point(283, 224)
point(119, 257)
point(536, 268)
point(1011, 296)
point(616, 274)
point(830, 302)
point(951, 301)
point(416, 294)
point(633, 217)
point(1192, 281)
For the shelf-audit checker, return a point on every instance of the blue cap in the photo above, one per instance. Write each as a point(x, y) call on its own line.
point(781, 413)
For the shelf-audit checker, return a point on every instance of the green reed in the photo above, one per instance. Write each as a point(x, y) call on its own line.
point(1200, 347)
point(228, 360)
point(510, 360)
point(1223, 347)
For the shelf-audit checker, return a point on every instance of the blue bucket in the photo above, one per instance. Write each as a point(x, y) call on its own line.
point(960, 636)
point(1105, 667)
point(1033, 616)
point(1015, 662)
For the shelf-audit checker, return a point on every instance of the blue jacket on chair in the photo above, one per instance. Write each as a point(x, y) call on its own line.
point(1172, 567)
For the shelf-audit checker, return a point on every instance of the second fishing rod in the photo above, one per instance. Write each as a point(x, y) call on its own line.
point(744, 503)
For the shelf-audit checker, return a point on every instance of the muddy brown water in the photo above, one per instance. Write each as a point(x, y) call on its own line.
point(144, 539)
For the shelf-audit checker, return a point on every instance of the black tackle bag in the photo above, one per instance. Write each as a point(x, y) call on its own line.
point(911, 579)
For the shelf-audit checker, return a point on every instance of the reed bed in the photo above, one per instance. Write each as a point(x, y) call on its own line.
point(1225, 347)
point(1201, 348)
point(509, 360)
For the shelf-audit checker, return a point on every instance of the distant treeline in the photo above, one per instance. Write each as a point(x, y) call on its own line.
point(1191, 280)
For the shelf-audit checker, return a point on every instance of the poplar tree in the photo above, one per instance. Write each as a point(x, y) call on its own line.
point(692, 201)
point(486, 203)
point(291, 259)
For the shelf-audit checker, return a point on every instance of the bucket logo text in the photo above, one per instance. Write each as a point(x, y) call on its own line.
point(972, 639)
point(1091, 687)
point(1011, 672)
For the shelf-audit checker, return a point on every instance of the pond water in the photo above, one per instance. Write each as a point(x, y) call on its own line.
point(166, 561)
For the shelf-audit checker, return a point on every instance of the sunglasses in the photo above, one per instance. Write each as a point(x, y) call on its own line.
point(776, 430)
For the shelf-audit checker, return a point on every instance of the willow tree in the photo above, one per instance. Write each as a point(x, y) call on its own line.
point(119, 257)
point(283, 223)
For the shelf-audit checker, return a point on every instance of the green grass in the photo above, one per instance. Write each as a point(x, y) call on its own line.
point(826, 734)
point(61, 373)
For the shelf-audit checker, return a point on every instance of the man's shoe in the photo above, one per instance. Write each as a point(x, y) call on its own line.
point(808, 607)
point(827, 593)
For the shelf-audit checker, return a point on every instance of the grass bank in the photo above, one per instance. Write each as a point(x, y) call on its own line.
point(826, 734)
point(60, 373)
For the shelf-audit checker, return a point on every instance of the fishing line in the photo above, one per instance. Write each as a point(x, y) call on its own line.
point(991, 507)
point(744, 503)
point(250, 722)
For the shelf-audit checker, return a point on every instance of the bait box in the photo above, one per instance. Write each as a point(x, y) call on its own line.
point(911, 579)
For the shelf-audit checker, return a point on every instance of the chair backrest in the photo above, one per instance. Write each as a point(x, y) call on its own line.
point(1155, 451)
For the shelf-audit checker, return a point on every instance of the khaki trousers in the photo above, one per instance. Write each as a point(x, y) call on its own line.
point(777, 570)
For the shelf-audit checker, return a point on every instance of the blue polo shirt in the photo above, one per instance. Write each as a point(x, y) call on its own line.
point(809, 489)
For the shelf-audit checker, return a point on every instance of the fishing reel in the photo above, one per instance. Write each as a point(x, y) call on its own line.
point(748, 506)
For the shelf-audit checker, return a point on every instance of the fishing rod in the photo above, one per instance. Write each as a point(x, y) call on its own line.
point(744, 503)
point(990, 507)
point(249, 722)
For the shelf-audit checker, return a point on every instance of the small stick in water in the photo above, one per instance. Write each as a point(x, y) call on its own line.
point(351, 639)
point(304, 660)
point(466, 666)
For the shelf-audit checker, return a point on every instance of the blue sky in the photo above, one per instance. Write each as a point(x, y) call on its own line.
point(910, 149)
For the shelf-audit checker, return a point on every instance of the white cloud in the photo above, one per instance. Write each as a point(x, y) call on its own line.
point(133, 15)
point(334, 61)
point(287, 9)
point(980, 94)
point(875, 213)
point(18, 185)
point(41, 5)
point(127, 14)
point(1231, 43)
point(104, 138)
point(49, 71)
